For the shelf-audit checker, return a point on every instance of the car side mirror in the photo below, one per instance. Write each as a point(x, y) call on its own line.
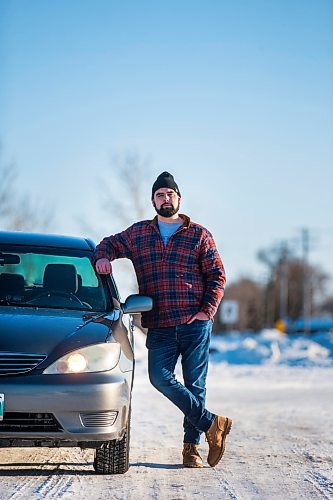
point(136, 304)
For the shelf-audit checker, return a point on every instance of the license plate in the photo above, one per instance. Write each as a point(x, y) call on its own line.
point(2, 405)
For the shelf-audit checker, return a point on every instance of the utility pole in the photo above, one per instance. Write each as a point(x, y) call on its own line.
point(306, 298)
point(283, 313)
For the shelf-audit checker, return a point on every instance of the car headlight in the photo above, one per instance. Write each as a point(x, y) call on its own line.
point(94, 358)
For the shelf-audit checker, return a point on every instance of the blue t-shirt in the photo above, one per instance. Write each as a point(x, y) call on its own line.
point(167, 229)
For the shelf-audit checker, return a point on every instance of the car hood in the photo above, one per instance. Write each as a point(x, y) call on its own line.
point(46, 331)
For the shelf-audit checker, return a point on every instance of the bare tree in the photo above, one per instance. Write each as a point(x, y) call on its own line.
point(18, 212)
point(283, 294)
point(124, 190)
point(7, 179)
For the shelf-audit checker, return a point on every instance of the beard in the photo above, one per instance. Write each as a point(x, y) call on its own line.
point(166, 211)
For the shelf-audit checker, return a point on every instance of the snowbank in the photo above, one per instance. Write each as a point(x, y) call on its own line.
point(268, 347)
point(272, 347)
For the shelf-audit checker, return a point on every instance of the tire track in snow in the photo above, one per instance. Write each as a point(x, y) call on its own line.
point(53, 486)
point(28, 481)
point(323, 484)
point(318, 479)
point(228, 491)
point(64, 476)
point(53, 478)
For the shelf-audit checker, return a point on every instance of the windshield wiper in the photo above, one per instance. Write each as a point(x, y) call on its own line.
point(94, 315)
point(5, 302)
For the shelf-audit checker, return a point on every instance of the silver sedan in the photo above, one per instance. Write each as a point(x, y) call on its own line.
point(66, 356)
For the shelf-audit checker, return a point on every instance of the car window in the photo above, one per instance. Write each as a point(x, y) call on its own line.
point(54, 280)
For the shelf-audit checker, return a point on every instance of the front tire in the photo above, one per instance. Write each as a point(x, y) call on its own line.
point(113, 456)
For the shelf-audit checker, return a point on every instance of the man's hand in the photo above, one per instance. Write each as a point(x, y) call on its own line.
point(201, 316)
point(103, 266)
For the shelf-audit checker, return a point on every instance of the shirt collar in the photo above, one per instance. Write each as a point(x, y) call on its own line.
point(186, 221)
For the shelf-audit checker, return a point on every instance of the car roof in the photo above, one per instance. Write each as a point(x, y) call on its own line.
point(45, 240)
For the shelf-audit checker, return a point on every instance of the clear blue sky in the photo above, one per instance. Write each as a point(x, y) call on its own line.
point(235, 98)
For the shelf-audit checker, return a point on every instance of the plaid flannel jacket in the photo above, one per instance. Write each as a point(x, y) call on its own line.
point(184, 277)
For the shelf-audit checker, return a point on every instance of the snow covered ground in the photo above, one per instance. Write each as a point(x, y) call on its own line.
point(278, 390)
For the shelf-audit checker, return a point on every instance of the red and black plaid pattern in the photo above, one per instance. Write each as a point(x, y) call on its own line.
point(184, 277)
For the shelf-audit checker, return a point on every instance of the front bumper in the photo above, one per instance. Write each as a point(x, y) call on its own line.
point(83, 404)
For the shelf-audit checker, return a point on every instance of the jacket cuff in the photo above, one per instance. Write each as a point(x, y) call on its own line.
point(209, 311)
point(96, 256)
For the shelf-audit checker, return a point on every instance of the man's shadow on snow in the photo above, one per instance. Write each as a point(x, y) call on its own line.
point(157, 466)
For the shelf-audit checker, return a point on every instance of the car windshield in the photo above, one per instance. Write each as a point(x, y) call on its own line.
point(51, 278)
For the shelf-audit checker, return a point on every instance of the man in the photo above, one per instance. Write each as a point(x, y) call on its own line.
point(177, 264)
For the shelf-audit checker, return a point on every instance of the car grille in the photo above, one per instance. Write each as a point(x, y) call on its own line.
point(100, 419)
point(29, 422)
point(12, 363)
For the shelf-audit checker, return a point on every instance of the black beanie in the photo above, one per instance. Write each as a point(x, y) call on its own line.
point(165, 180)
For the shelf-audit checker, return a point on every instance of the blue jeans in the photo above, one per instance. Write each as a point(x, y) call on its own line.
point(191, 342)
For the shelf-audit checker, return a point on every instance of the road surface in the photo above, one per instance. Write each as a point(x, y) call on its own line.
point(280, 446)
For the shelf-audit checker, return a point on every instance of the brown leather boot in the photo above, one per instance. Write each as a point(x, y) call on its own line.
point(191, 456)
point(216, 436)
